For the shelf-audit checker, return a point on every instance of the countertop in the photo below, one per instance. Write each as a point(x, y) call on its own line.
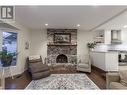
point(125, 51)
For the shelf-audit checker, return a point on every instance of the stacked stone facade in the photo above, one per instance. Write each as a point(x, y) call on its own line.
point(67, 49)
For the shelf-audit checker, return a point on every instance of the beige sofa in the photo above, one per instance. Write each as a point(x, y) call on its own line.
point(116, 80)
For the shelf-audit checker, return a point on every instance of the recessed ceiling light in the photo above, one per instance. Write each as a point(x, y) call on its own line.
point(46, 24)
point(78, 25)
point(125, 26)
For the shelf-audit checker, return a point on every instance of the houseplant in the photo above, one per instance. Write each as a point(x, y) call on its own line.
point(91, 45)
point(74, 61)
point(6, 58)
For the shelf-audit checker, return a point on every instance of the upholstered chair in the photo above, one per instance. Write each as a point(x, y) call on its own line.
point(36, 67)
point(116, 80)
point(84, 66)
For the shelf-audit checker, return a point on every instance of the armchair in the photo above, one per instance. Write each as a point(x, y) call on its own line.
point(37, 68)
point(85, 66)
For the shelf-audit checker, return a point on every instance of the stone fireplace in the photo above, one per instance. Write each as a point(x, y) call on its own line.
point(61, 52)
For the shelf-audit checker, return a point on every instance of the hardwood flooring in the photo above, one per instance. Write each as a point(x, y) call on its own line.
point(21, 81)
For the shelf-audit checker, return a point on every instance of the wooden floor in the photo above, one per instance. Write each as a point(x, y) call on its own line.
point(21, 81)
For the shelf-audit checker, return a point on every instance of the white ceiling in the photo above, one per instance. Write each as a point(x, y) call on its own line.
point(34, 17)
point(117, 23)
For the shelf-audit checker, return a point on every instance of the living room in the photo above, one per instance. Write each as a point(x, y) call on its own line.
point(64, 47)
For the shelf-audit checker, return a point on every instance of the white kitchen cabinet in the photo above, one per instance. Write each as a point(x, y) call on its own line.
point(107, 61)
point(115, 36)
point(103, 36)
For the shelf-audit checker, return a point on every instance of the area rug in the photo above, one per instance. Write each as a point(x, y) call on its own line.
point(63, 82)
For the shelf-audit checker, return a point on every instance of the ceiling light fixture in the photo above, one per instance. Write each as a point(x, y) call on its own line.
point(78, 25)
point(125, 26)
point(46, 24)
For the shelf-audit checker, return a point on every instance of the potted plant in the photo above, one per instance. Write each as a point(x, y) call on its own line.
point(91, 45)
point(74, 61)
point(6, 58)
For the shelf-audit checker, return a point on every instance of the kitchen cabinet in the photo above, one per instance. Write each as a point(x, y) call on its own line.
point(103, 36)
point(115, 36)
point(108, 36)
point(107, 61)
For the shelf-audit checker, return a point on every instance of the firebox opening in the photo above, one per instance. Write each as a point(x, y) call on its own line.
point(61, 59)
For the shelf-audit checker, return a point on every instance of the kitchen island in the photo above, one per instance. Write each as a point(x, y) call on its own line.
point(105, 60)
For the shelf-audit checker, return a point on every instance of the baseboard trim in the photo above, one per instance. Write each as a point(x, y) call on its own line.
point(98, 69)
point(17, 75)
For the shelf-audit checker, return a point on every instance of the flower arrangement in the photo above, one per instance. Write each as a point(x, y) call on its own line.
point(91, 45)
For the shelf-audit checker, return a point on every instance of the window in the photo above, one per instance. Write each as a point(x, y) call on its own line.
point(10, 44)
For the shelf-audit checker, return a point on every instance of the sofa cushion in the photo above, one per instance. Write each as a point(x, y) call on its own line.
point(116, 85)
point(83, 65)
point(34, 59)
point(38, 67)
point(123, 77)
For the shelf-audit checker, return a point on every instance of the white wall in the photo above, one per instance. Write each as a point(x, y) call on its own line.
point(124, 36)
point(23, 36)
point(83, 37)
point(38, 42)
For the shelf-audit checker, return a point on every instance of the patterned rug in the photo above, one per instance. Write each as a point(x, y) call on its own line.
point(63, 82)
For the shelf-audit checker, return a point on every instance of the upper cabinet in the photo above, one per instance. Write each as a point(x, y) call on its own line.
point(116, 36)
point(108, 36)
point(103, 36)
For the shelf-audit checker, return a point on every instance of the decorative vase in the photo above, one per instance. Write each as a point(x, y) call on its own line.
point(91, 49)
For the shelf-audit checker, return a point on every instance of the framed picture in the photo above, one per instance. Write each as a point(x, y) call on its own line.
point(27, 45)
point(62, 37)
